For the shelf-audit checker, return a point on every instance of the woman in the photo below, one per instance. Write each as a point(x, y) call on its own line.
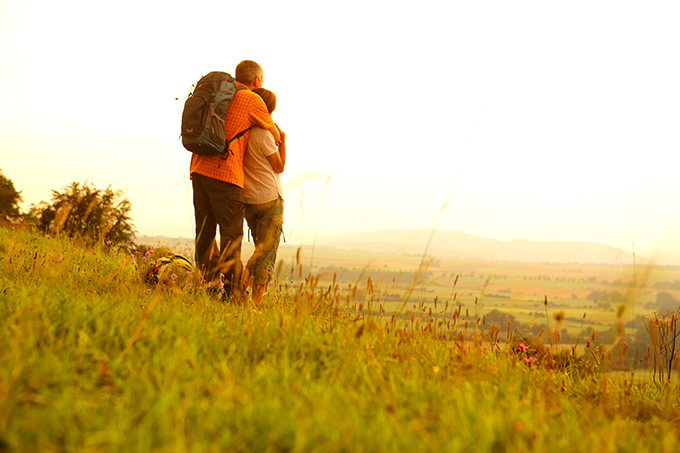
point(262, 164)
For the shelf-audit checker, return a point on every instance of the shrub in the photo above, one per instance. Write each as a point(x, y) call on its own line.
point(9, 199)
point(82, 210)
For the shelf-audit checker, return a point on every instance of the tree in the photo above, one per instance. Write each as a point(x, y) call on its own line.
point(9, 199)
point(597, 296)
point(616, 296)
point(666, 302)
point(82, 210)
point(502, 319)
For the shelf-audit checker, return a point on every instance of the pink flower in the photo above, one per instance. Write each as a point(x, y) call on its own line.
point(529, 360)
point(522, 347)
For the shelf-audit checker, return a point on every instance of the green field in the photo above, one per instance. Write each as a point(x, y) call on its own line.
point(516, 288)
point(92, 358)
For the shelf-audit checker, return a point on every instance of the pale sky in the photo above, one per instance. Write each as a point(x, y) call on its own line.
point(539, 120)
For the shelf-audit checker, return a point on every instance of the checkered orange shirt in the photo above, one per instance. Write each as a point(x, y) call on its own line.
point(245, 110)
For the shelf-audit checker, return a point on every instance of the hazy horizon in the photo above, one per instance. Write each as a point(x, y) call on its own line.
point(418, 240)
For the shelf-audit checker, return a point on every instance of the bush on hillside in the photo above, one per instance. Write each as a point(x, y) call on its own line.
point(9, 199)
point(82, 210)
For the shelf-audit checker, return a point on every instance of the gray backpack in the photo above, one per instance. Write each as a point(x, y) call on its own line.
point(204, 112)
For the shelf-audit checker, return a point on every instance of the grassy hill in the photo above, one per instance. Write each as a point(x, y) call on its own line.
point(94, 359)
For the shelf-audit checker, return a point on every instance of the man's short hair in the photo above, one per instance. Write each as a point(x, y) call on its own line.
point(268, 97)
point(247, 70)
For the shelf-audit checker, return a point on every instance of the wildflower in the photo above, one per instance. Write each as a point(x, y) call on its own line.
point(522, 347)
point(587, 344)
point(529, 360)
point(149, 291)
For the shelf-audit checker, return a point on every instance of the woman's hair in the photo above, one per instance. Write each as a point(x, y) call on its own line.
point(269, 98)
point(246, 71)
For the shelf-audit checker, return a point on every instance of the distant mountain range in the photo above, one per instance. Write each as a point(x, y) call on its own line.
point(462, 245)
point(456, 244)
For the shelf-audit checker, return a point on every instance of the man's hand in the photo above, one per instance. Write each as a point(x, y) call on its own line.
point(275, 133)
point(283, 136)
point(278, 159)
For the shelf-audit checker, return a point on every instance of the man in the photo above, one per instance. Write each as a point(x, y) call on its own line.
point(218, 184)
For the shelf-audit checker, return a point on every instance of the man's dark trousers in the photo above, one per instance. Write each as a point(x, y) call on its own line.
point(218, 203)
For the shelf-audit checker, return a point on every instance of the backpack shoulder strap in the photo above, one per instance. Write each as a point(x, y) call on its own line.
point(225, 153)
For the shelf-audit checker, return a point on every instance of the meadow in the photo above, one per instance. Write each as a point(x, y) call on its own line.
point(94, 358)
point(589, 296)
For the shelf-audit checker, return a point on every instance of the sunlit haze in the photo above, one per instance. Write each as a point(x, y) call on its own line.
point(537, 120)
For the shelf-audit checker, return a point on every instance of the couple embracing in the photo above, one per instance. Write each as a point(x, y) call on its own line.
point(245, 185)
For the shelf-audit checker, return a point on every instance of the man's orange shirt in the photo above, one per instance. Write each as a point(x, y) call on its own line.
point(245, 110)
